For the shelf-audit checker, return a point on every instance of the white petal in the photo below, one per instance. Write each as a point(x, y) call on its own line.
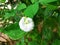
point(2, 3)
point(11, 22)
point(6, 7)
point(2, 7)
point(6, 1)
point(26, 27)
point(15, 7)
point(9, 6)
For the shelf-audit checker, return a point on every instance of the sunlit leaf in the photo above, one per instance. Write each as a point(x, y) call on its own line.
point(31, 10)
point(13, 33)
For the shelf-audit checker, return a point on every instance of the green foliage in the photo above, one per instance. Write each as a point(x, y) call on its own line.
point(33, 43)
point(49, 11)
point(47, 33)
point(9, 14)
point(56, 42)
point(46, 1)
point(31, 10)
point(21, 6)
point(13, 33)
point(21, 42)
point(46, 17)
point(33, 1)
point(2, 1)
point(43, 42)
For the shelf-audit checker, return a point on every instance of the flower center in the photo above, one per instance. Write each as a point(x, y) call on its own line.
point(26, 21)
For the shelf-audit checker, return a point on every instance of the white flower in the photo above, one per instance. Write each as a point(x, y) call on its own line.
point(9, 6)
point(15, 7)
point(6, 7)
point(11, 22)
point(26, 24)
point(2, 3)
point(2, 7)
point(6, 1)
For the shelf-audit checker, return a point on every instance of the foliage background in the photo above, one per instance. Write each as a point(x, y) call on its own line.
point(46, 15)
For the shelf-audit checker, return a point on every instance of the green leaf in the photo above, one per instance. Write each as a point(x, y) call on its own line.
point(59, 30)
point(21, 6)
point(56, 42)
point(18, 43)
point(58, 19)
point(1, 30)
point(49, 11)
point(51, 7)
point(2, 1)
point(43, 42)
point(9, 14)
point(46, 1)
point(34, 35)
point(14, 32)
point(31, 10)
point(51, 22)
point(21, 42)
point(33, 1)
point(33, 43)
point(47, 33)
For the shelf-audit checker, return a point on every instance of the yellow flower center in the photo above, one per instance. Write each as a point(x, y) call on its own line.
point(26, 21)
